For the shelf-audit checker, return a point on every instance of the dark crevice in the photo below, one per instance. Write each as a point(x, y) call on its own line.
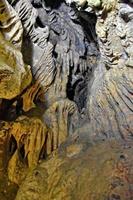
point(22, 152)
point(12, 145)
point(78, 92)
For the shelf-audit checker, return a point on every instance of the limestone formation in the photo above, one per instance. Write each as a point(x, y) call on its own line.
point(111, 100)
point(31, 138)
point(15, 75)
point(66, 100)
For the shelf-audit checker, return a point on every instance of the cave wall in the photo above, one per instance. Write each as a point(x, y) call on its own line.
point(66, 104)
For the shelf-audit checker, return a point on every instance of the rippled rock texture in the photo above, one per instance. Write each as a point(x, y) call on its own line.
point(66, 105)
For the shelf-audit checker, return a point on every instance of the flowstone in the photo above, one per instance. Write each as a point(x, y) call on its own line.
point(66, 104)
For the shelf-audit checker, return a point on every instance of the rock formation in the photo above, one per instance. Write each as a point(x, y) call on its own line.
point(66, 105)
